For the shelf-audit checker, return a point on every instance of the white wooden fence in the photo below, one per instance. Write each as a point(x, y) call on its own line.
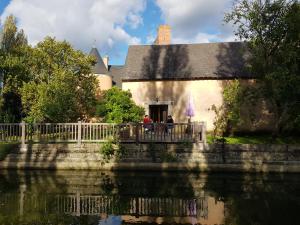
point(101, 132)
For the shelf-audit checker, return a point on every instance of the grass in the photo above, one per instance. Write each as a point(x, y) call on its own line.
point(5, 149)
point(258, 139)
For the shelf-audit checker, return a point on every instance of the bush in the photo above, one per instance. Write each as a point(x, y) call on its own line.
point(112, 148)
point(116, 106)
point(5, 149)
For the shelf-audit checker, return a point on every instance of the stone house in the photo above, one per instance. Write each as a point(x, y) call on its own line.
point(163, 77)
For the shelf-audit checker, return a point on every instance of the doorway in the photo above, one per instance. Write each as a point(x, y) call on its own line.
point(158, 113)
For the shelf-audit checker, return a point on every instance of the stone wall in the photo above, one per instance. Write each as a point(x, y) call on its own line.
point(184, 156)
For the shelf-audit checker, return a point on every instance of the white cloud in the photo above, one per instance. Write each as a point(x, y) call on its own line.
point(78, 21)
point(196, 20)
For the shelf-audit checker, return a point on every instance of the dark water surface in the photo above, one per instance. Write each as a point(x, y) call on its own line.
point(88, 198)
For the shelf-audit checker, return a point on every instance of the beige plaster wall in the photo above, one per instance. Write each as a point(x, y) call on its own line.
point(105, 81)
point(205, 93)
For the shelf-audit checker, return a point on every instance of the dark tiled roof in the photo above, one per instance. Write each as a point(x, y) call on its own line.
point(186, 61)
point(116, 74)
point(99, 67)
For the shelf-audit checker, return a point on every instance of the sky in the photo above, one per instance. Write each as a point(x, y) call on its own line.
point(113, 25)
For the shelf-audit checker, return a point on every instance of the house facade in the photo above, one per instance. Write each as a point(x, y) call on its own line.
point(164, 78)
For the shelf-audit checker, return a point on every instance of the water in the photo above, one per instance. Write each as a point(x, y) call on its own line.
point(88, 198)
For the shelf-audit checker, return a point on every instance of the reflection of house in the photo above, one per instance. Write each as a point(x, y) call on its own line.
point(214, 215)
point(131, 210)
point(162, 76)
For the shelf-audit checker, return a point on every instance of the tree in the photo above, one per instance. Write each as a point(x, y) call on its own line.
point(62, 87)
point(116, 106)
point(14, 53)
point(228, 114)
point(272, 32)
point(11, 38)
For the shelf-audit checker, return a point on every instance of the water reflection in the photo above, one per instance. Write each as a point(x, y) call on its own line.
point(88, 198)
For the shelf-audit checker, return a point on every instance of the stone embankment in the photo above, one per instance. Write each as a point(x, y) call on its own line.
point(158, 157)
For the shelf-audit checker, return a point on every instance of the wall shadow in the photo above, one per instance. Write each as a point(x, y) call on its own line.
point(162, 67)
point(44, 155)
point(255, 111)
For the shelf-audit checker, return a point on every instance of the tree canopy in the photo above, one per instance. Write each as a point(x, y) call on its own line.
point(14, 55)
point(116, 106)
point(271, 30)
point(61, 88)
point(51, 82)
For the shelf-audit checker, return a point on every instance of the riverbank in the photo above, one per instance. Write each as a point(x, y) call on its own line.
point(157, 157)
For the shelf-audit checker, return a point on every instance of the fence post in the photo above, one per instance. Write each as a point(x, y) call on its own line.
point(137, 135)
point(78, 203)
point(79, 134)
point(23, 137)
point(203, 132)
point(197, 135)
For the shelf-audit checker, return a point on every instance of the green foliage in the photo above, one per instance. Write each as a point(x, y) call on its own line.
point(112, 148)
point(272, 31)
point(168, 157)
point(14, 55)
point(236, 97)
point(11, 38)
point(254, 139)
point(116, 106)
point(228, 114)
point(186, 143)
point(107, 149)
point(5, 149)
point(51, 82)
point(62, 88)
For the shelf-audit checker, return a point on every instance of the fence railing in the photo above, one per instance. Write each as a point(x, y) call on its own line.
point(78, 204)
point(101, 132)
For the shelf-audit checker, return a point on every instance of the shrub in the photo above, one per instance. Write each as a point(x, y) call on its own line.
point(116, 106)
point(112, 148)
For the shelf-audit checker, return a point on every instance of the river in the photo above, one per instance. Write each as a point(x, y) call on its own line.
point(114, 198)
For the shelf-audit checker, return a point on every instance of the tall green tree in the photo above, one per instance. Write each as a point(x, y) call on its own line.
point(272, 32)
point(62, 87)
point(117, 106)
point(14, 55)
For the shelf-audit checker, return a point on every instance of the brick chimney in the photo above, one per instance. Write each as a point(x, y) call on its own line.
point(163, 35)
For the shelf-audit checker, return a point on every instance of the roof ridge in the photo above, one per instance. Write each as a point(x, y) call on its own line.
point(208, 43)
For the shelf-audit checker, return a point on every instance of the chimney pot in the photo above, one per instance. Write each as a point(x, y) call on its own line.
point(105, 61)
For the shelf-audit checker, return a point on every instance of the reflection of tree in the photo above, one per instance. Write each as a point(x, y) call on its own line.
point(251, 199)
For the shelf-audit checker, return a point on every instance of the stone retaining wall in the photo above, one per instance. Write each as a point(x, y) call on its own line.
point(185, 156)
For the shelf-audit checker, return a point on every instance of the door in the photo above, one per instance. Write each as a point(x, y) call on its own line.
point(158, 113)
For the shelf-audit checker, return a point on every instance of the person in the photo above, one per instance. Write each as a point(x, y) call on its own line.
point(147, 123)
point(170, 124)
point(146, 119)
